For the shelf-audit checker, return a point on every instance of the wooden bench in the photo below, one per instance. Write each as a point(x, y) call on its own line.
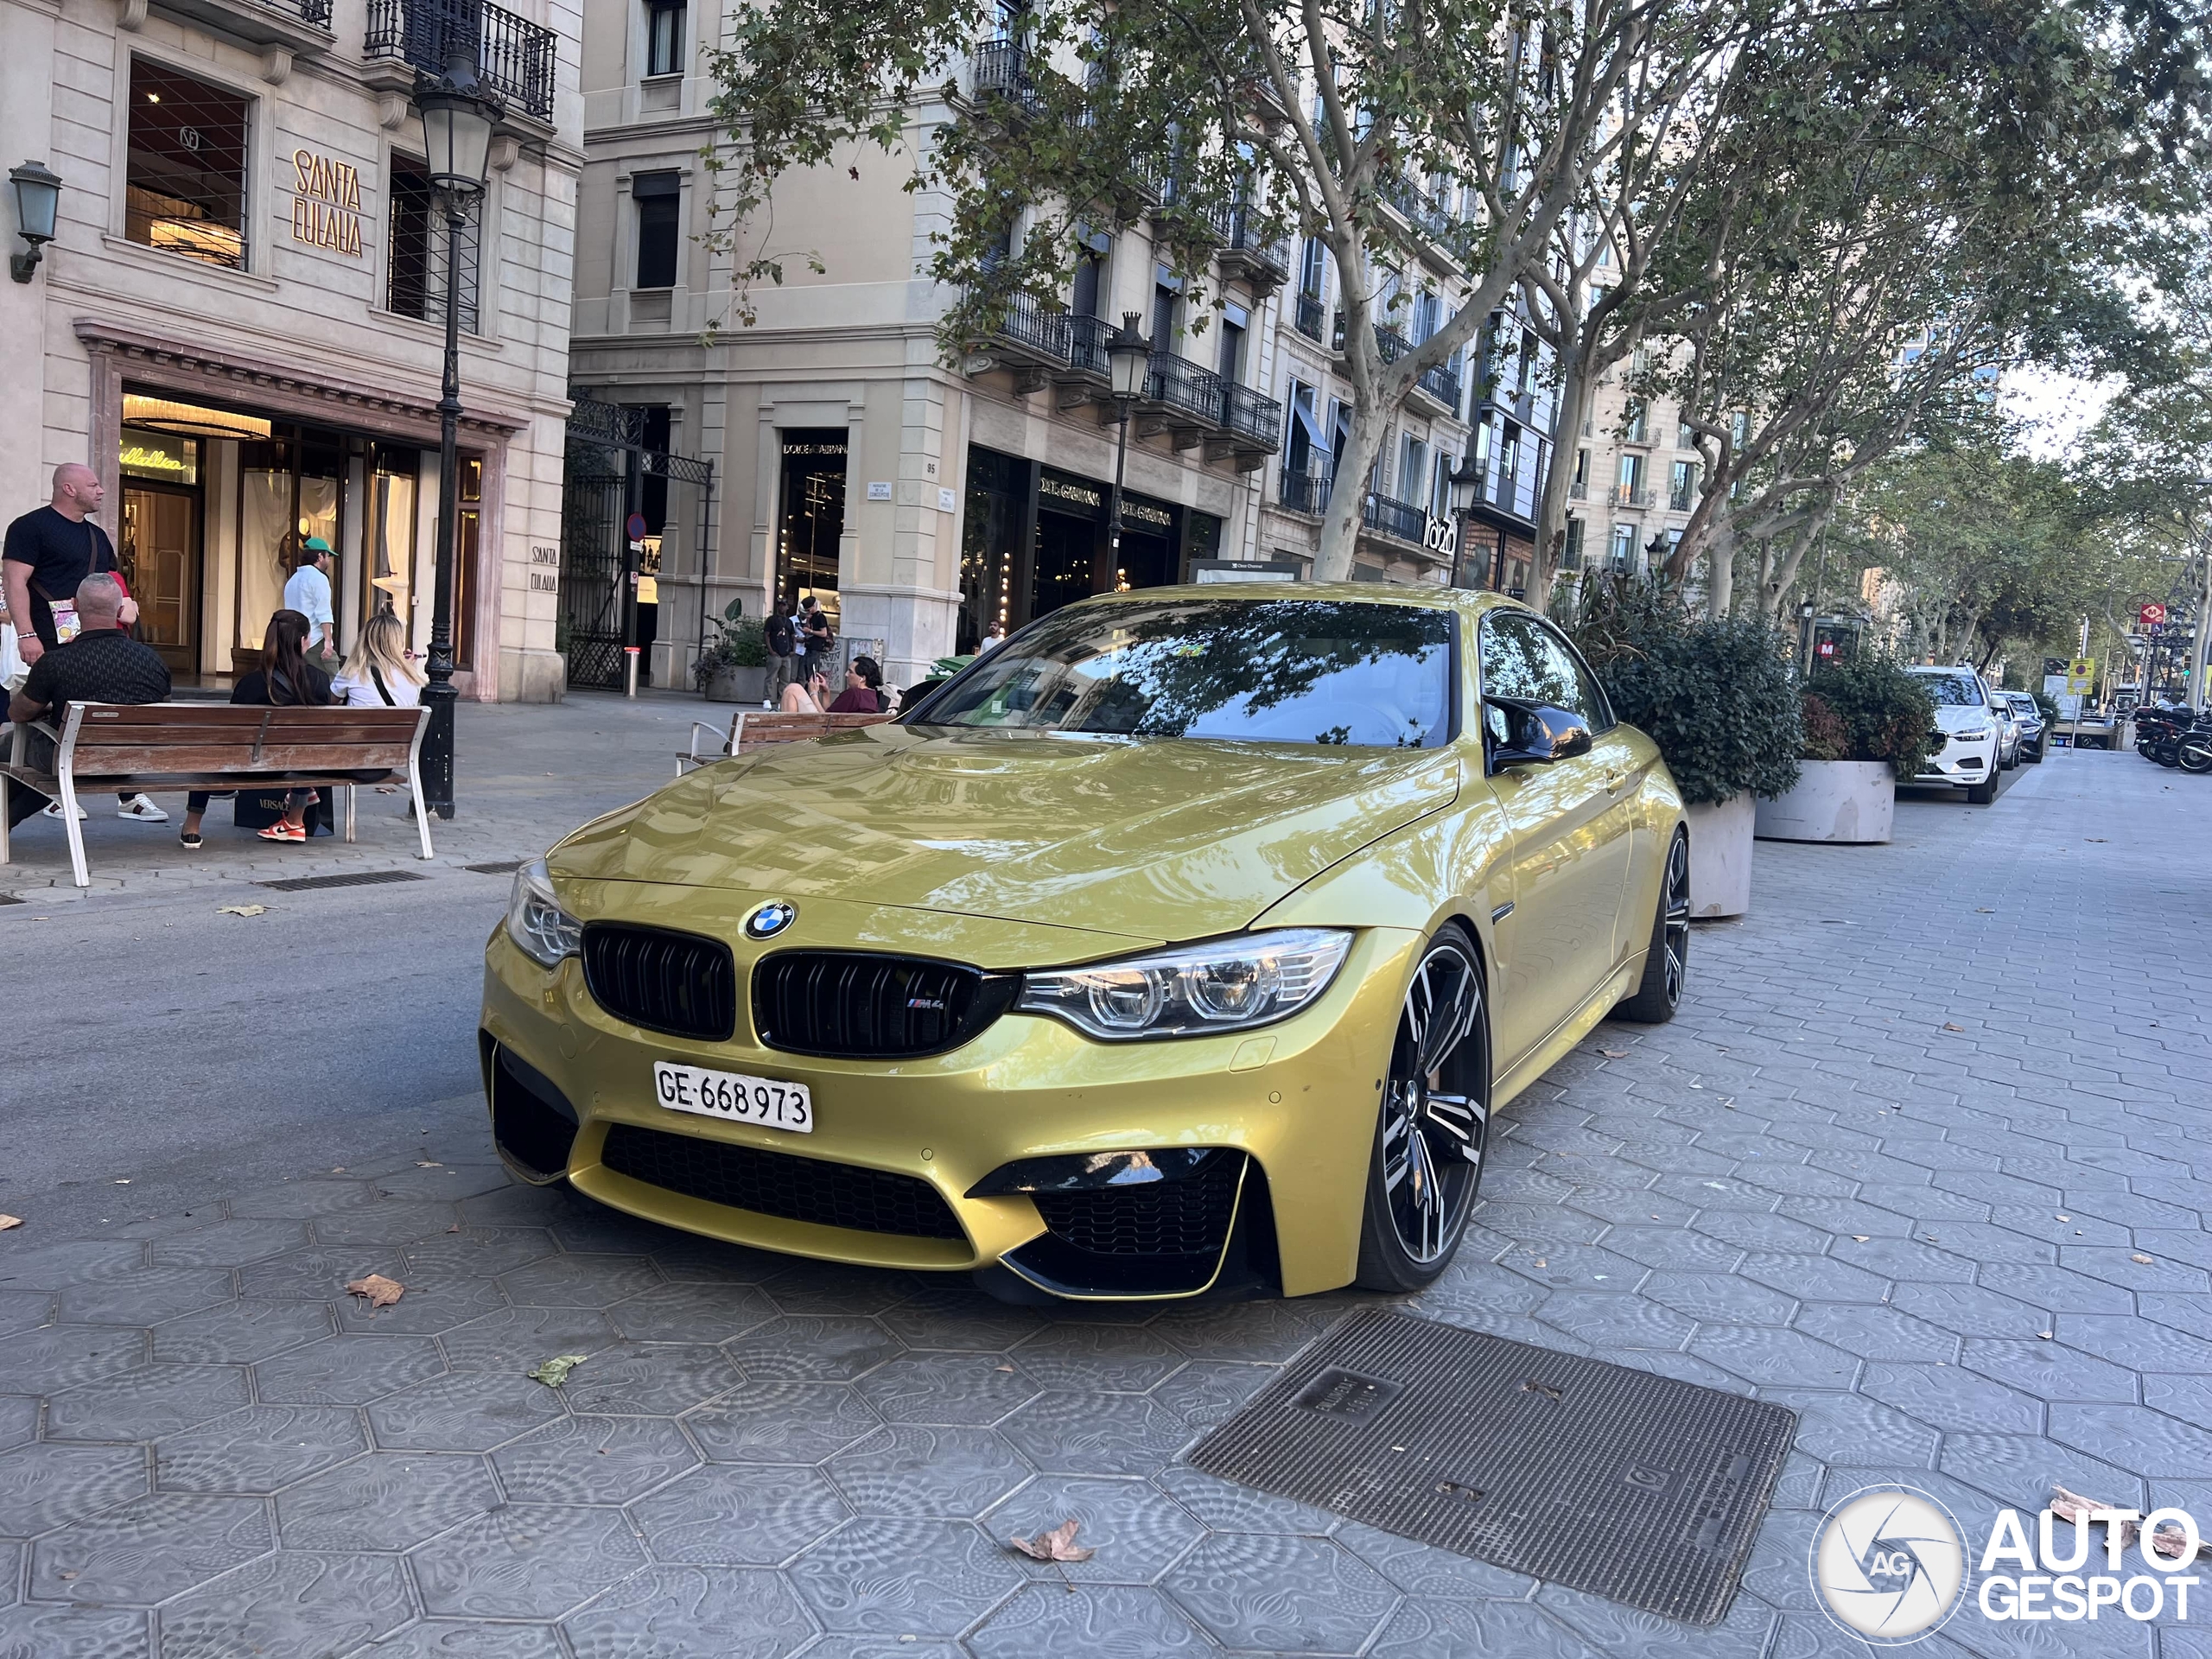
point(172, 746)
point(756, 728)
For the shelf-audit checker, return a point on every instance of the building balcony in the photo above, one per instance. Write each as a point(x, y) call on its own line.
point(301, 28)
point(1681, 500)
point(1578, 492)
point(514, 58)
point(1400, 520)
point(1255, 421)
point(1032, 342)
point(1265, 265)
point(1000, 70)
point(1305, 492)
point(1179, 393)
point(1310, 317)
point(1441, 386)
point(1631, 495)
point(1389, 343)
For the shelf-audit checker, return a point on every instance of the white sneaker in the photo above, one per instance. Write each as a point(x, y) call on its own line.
point(54, 810)
point(139, 809)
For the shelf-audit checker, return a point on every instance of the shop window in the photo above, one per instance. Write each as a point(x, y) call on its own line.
point(388, 534)
point(288, 489)
point(659, 196)
point(415, 281)
point(664, 37)
point(185, 177)
point(813, 517)
point(467, 540)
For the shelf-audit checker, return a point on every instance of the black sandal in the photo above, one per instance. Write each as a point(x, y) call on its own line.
point(189, 838)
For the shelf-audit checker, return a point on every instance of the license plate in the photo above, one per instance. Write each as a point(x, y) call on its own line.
point(734, 1097)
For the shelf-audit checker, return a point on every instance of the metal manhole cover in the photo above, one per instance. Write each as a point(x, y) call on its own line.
point(356, 879)
point(500, 867)
point(1638, 1488)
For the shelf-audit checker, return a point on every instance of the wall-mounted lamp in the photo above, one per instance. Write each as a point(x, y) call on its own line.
point(38, 199)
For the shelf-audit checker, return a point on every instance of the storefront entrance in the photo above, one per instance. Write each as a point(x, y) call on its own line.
point(157, 543)
point(813, 522)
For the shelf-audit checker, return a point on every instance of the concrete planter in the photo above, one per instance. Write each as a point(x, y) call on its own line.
point(1720, 856)
point(1852, 801)
point(737, 685)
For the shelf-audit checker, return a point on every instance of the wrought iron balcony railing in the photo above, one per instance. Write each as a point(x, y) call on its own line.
point(514, 58)
point(1254, 421)
point(1305, 492)
point(1630, 495)
point(1001, 69)
point(1086, 345)
point(1441, 384)
point(1390, 343)
point(1682, 499)
point(1029, 326)
point(1177, 384)
point(1266, 264)
point(1578, 492)
point(1311, 315)
point(1400, 519)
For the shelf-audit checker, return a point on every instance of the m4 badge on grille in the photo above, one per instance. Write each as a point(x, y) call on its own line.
point(770, 919)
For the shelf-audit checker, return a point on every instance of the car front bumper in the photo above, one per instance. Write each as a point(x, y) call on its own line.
point(1298, 1098)
point(1960, 763)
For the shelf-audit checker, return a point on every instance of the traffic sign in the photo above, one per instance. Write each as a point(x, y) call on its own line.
point(2152, 616)
point(636, 528)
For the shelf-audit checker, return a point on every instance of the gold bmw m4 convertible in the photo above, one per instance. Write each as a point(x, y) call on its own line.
point(1184, 944)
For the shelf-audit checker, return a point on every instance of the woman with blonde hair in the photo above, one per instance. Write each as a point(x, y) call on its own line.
point(380, 674)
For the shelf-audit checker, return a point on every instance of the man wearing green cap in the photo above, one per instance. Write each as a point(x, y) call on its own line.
point(307, 591)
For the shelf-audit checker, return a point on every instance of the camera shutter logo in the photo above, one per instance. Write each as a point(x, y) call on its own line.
point(1890, 1564)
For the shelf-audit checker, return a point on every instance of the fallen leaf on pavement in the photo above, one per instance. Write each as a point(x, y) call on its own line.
point(2169, 1541)
point(455, 1227)
point(6, 1222)
point(1948, 1026)
point(1983, 910)
point(241, 910)
point(71, 1574)
point(379, 1291)
point(1058, 1545)
point(2099, 840)
point(555, 1371)
point(1614, 1054)
point(2045, 1335)
point(1860, 1238)
point(2144, 1260)
point(427, 1163)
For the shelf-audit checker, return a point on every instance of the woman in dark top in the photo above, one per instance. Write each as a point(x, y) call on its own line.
point(285, 679)
point(863, 692)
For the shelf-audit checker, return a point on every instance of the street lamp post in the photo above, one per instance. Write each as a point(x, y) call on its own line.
point(458, 118)
point(1806, 611)
point(2200, 648)
point(1128, 359)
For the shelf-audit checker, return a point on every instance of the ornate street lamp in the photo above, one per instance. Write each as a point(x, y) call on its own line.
point(38, 199)
point(1128, 360)
point(459, 117)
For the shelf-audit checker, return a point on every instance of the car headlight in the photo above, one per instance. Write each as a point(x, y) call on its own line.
point(541, 930)
point(1972, 734)
point(1232, 984)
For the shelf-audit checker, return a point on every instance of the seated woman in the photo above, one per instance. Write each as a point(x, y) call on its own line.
point(807, 699)
point(285, 679)
point(380, 674)
point(863, 692)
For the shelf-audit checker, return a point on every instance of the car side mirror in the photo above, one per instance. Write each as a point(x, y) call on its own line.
point(1536, 734)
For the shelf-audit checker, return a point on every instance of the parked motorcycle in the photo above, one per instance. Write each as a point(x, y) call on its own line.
point(2160, 728)
point(2193, 749)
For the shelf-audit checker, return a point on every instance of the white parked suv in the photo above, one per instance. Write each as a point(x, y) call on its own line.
point(1967, 757)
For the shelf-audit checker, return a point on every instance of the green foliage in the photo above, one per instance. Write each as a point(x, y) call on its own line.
point(2049, 707)
point(1827, 738)
point(1882, 712)
point(738, 642)
point(1714, 693)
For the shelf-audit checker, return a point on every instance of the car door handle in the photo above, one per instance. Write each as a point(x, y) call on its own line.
point(1613, 782)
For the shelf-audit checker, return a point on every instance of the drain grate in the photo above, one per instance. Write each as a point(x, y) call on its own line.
point(356, 879)
point(1638, 1488)
point(499, 866)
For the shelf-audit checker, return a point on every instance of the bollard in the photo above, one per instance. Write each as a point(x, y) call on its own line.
point(630, 670)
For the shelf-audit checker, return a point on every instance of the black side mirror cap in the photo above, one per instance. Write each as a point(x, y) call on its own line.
point(1537, 734)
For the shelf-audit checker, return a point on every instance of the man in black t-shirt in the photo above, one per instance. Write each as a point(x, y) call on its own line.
point(102, 665)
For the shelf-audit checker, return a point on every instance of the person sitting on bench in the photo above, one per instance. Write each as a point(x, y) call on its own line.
point(102, 665)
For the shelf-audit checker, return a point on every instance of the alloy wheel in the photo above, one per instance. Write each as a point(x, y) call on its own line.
point(1675, 926)
point(1435, 1111)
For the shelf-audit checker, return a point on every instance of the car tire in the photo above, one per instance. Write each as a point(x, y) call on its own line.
point(2034, 757)
point(1433, 1127)
point(1983, 793)
point(1666, 958)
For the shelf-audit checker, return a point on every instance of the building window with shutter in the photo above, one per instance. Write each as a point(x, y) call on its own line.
point(184, 181)
point(664, 37)
point(414, 276)
point(659, 198)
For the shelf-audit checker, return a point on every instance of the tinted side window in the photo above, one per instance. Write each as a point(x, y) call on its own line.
point(1523, 658)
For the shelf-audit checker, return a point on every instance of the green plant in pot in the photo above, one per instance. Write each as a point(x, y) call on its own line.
point(733, 665)
point(1715, 695)
point(1867, 723)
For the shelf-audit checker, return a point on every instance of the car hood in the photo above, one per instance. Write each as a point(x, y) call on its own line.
point(1152, 839)
point(1963, 717)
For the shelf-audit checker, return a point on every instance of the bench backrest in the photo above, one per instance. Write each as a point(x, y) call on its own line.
point(124, 739)
point(757, 731)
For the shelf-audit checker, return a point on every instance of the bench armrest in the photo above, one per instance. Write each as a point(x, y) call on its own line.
point(716, 732)
point(20, 731)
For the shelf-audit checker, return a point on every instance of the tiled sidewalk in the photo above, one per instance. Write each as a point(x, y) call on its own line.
point(1895, 1166)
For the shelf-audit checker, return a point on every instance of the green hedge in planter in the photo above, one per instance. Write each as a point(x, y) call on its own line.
point(740, 641)
point(1870, 709)
point(1714, 693)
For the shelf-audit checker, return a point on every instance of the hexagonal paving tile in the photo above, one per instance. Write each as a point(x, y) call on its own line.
point(150, 1549)
point(1758, 1354)
point(259, 1449)
point(317, 1275)
point(464, 1411)
point(308, 1198)
point(52, 1632)
point(301, 1605)
point(487, 1250)
point(229, 1244)
point(142, 1295)
point(956, 1315)
point(516, 1339)
point(151, 1400)
point(1126, 1359)
point(579, 1281)
point(739, 1515)
point(1301, 1595)
point(828, 1289)
point(1109, 1621)
point(387, 1221)
point(1136, 1530)
point(1421, 1630)
point(592, 1460)
point(441, 1638)
point(43, 1486)
point(434, 1304)
point(447, 1182)
point(809, 1348)
point(2135, 1437)
point(1224, 1506)
point(903, 1577)
point(946, 1389)
point(782, 1422)
point(1425, 1571)
point(690, 1312)
point(1096, 1433)
point(1205, 1392)
point(346, 1371)
point(692, 1612)
point(21, 1310)
point(914, 1471)
point(57, 1356)
point(387, 1500)
point(650, 1379)
point(526, 1561)
point(238, 1333)
point(1945, 1397)
point(18, 1418)
point(50, 1266)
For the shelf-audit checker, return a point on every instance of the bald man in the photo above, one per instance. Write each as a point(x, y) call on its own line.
point(49, 553)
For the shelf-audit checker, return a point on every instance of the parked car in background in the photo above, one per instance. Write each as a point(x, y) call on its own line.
point(1967, 757)
point(2035, 735)
point(2091, 729)
point(2008, 728)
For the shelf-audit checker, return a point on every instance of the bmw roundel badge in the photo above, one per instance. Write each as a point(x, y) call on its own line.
point(770, 921)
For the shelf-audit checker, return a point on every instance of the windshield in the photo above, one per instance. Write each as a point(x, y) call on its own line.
point(1953, 691)
point(1263, 671)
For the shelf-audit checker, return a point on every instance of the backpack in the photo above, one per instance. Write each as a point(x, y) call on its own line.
point(779, 636)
